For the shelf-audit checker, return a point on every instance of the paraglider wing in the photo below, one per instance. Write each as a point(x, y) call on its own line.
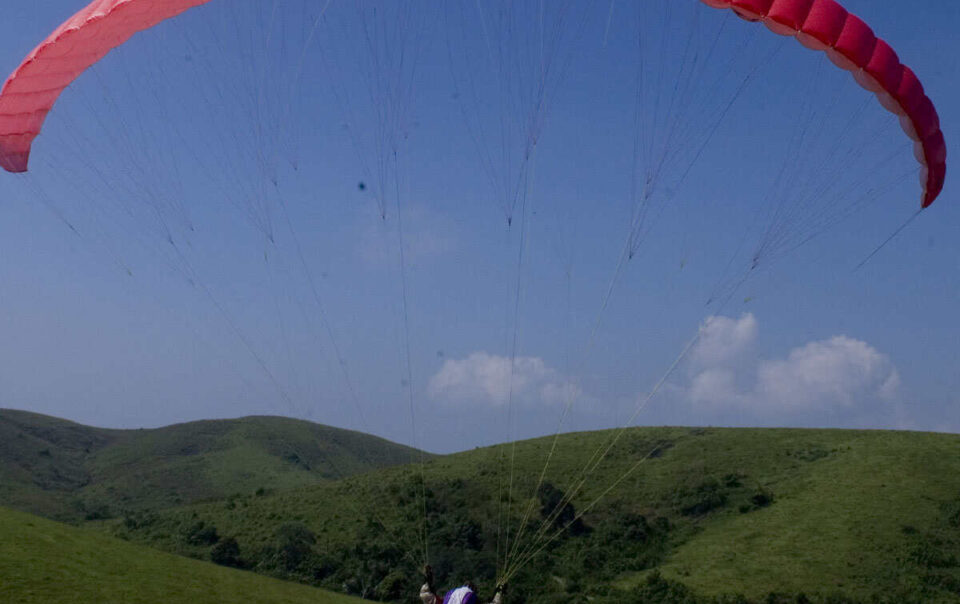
point(33, 88)
point(30, 93)
point(850, 43)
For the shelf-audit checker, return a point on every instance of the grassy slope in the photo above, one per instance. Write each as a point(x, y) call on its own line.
point(845, 523)
point(68, 471)
point(860, 513)
point(46, 563)
point(42, 459)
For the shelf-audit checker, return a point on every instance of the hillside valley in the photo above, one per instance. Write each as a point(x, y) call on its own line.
point(653, 515)
point(67, 471)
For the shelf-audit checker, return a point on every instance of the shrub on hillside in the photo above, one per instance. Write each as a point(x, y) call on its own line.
point(733, 480)
point(457, 531)
point(199, 533)
point(92, 509)
point(294, 543)
point(809, 453)
point(393, 587)
point(760, 498)
point(227, 553)
point(560, 512)
point(139, 521)
point(658, 590)
point(622, 542)
point(701, 499)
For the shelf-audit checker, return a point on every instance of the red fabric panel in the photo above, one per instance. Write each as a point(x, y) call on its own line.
point(935, 149)
point(751, 7)
point(717, 3)
point(910, 91)
point(935, 180)
point(856, 41)
point(29, 94)
point(791, 13)
point(925, 119)
point(885, 67)
point(825, 21)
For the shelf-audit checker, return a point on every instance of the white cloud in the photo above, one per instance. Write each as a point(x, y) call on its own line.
point(484, 378)
point(714, 386)
point(724, 341)
point(838, 381)
point(838, 372)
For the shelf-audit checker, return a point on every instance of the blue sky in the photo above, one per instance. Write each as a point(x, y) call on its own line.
point(192, 240)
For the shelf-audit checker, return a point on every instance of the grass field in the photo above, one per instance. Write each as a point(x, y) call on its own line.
point(876, 515)
point(45, 562)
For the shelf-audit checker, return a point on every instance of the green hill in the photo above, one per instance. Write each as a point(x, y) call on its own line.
point(67, 471)
point(45, 562)
point(670, 515)
point(691, 515)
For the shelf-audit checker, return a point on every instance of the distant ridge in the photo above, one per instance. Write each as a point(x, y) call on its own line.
point(68, 471)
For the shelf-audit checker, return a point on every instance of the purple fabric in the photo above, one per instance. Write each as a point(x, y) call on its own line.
point(460, 595)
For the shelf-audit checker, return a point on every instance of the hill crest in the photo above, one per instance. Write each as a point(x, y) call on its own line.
point(68, 471)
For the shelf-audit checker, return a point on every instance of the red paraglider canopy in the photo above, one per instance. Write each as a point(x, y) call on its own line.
point(851, 44)
point(30, 93)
